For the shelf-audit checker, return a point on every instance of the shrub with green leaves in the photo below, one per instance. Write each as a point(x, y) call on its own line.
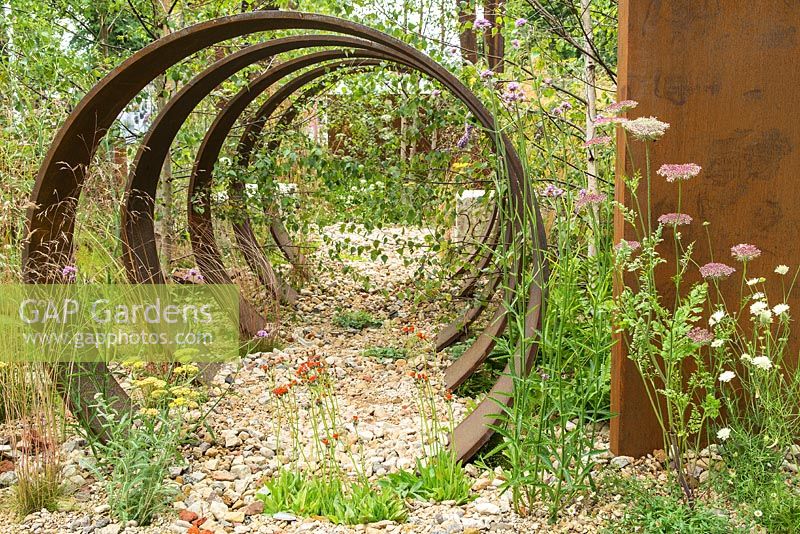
point(355, 319)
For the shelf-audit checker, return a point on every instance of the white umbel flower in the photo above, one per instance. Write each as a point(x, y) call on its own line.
point(780, 309)
point(716, 317)
point(782, 269)
point(723, 433)
point(727, 376)
point(762, 362)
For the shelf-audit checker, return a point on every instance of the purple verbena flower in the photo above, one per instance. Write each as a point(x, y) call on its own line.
point(515, 43)
point(520, 22)
point(261, 334)
point(552, 191)
point(487, 74)
point(464, 139)
point(481, 23)
point(69, 273)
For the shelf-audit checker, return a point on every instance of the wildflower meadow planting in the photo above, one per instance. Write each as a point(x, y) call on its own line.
point(440, 267)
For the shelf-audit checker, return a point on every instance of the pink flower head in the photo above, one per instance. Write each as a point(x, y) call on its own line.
point(515, 43)
point(716, 271)
point(261, 334)
point(675, 219)
point(69, 273)
point(586, 198)
point(700, 335)
point(487, 74)
point(602, 140)
point(552, 191)
point(482, 24)
point(599, 121)
point(678, 171)
point(623, 105)
point(624, 244)
point(646, 128)
point(745, 252)
point(520, 22)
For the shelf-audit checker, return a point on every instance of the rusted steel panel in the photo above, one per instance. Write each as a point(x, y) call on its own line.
point(724, 76)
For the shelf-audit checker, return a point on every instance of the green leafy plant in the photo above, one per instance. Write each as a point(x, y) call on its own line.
point(355, 319)
point(439, 478)
point(652, 513)
point(386, 353)
point(135, 459)
point(343, 503)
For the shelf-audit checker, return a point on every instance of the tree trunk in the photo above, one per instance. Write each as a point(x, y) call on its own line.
point(466, 33)
point(167, 205)
point(493, 39)
point(590, 68)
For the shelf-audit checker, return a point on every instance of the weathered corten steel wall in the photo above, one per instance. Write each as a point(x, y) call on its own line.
point(725, 75)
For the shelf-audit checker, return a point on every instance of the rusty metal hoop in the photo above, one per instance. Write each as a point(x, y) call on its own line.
point(51, 217)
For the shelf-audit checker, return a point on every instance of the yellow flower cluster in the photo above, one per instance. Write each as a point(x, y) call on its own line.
point(187, 370)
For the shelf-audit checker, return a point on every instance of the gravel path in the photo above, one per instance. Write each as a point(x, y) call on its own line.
point(227, 466)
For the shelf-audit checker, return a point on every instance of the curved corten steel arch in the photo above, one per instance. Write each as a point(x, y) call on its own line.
point(201, 216)
point(470, 269)
point(51, 217)
point(201, 221)
point(242, 226)
point(140, 250)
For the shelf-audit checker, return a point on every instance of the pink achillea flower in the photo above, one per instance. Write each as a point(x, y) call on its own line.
point(700, 335)
point(679, 171)
point(602, 140)
point(716, 271)
point(623, 105)
point(586, 198)
point(745, 252)
point(552, 191)
point(482, 24)
point(624, 244)
point(675, 219)
point(646, 128)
